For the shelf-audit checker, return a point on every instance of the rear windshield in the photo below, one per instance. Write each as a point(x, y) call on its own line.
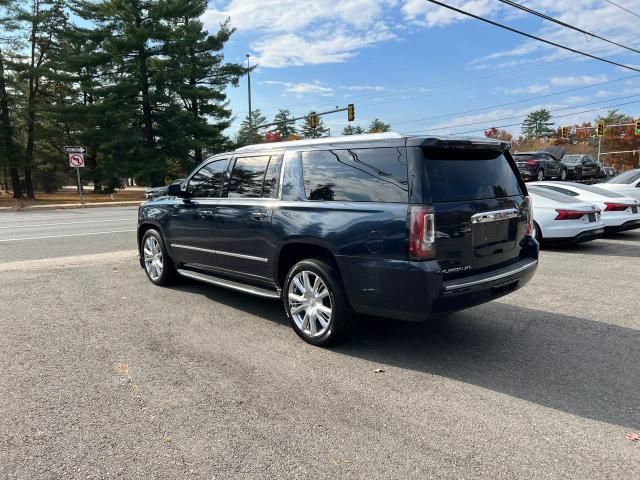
point(458, 175)
point(598, 191)
point(626, 177)
point(551, 195)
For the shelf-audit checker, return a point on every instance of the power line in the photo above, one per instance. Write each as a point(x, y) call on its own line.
point(528, 35)
point(489, 122)
point(515, 102)
point(566, 25)
point(622, 8)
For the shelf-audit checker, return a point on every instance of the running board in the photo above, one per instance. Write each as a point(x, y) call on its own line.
point(241, 287)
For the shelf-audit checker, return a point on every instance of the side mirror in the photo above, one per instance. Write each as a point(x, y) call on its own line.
point(175, 190)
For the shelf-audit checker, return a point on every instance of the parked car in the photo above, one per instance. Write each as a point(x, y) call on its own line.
point(581, 166)
point(609, 172)
point(559, 218)
point(627, 183)
point(160, 191)
point(401, 227)
point(540, 166)
point(619, 213)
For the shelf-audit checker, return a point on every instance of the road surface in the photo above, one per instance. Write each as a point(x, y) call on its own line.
point(106, 376)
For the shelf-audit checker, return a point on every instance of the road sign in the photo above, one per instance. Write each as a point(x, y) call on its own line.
point(76, 160)
point(75, 149)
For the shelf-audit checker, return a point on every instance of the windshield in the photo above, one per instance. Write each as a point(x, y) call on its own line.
point(626, 177)
point(572, 159)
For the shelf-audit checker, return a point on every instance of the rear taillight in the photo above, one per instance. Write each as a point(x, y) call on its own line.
point(616, 207)
point(532, 162)
point(529, 205)
point(422, 233)
point(570, 214)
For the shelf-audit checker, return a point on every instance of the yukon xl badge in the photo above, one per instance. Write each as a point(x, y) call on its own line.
point(464, 268)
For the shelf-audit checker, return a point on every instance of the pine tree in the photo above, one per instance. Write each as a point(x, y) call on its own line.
point(8, 147)
point(309, 132)
point(284, 129)
point(351, 130)
point(538, 125)
point(243, 137)
point(378, 126)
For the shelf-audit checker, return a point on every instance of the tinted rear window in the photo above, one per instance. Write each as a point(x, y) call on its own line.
point(626, 177)
point(458, 175)
point(598, 191)
point(358, 175)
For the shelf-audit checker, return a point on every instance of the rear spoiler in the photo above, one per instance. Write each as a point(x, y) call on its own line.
point(462, 143)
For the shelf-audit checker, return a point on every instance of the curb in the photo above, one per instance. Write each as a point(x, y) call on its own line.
point(65, 206)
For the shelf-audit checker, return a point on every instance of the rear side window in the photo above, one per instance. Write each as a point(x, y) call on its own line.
point(247, 177)
point(458, 175)
point(358, 175)
point(207, 181)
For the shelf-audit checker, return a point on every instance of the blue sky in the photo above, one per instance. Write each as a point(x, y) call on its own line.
point(425, 69)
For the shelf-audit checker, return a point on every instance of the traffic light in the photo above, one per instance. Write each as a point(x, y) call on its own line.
point(313, 120)
point(351, 112)
point(637, 127)
point(600, 129)
point(565, 132)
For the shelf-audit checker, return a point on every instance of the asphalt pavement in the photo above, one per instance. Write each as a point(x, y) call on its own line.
point(106, 376)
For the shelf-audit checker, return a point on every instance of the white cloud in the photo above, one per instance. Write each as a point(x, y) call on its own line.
point(301, 88)
point(294, 32)
point(571, 81)
point(428, 14)
point(364, 88)
point(531, 89)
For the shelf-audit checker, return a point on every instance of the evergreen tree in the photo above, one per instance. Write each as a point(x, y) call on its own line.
point(351, 130)
point(309, 132)
point(243, 136)
point(378, 126)
point(614, 117)
point(8, 148)
point(284, 129)
point(538, 124)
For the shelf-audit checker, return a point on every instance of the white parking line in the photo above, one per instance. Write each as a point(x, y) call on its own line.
point(61, 236)
point(64, 223)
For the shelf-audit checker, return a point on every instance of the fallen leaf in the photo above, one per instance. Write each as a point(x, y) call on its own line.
point(379, 370)
point(633, 436)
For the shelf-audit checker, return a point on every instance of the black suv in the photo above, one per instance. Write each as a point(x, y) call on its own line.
point(401, 227)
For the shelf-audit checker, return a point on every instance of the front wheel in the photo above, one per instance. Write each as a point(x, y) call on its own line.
point(156, 261)
point(563, 174)
point(540, 175)
point(578, 174)
point(315, 302)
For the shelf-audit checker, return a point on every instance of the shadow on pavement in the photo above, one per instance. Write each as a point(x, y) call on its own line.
point(578, 366)
point(606, 246)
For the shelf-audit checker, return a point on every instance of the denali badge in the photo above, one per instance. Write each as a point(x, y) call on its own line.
point(464, 268)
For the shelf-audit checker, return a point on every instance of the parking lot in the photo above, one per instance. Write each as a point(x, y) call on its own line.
point(106, 375)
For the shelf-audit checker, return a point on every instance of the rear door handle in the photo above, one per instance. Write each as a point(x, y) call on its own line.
point(206, 213)
point(259, 215)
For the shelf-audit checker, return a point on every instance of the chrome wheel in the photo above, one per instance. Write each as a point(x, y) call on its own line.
point(563, 175)
point(310, 303)
point(540, 175)
point(153, 260)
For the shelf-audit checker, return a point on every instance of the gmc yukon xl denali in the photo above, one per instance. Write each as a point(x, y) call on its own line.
point(385, 225)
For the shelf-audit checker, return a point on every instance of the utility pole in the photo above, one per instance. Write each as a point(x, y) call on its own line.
point(599, 149)
point(249, 92)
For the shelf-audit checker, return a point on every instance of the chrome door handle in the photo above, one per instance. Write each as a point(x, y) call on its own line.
point(259, 215)
point(206, 213)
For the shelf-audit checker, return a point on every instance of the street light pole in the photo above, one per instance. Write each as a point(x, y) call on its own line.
point(249, 92)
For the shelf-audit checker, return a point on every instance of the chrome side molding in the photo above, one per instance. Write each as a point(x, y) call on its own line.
point(222, 282)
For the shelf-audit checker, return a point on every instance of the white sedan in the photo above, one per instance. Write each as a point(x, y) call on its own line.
point(561, 219)
point(619, 213)
point(627, 183)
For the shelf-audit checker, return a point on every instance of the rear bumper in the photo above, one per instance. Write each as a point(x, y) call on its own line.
point(581, 237)
point(630, 225)
point(416, 291)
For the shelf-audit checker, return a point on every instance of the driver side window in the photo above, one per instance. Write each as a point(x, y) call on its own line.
point(207, 182)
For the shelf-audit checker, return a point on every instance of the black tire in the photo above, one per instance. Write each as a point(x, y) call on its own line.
point(537, 233)
point(340, 321)
point(563, 174)
point(540, 175)
point(578, 174)
point(168, 273)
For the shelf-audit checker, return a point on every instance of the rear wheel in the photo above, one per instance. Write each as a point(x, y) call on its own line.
point(540, 175)
point(578, 174)
point(156, 261)
point(315, 302)
point(563, 174)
